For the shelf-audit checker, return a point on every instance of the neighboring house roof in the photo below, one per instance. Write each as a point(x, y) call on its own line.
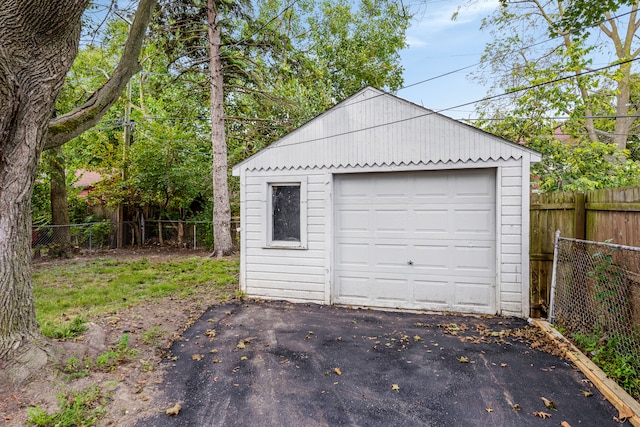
point(86, 178)
point(374, 128)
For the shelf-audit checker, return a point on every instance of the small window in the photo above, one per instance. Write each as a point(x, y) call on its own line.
point(286, 213)
point(285, 204)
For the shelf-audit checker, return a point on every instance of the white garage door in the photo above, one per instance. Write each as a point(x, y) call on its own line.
point(418, 240)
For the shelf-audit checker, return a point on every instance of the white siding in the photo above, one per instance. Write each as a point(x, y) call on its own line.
point(511, 285)
point(295, 274)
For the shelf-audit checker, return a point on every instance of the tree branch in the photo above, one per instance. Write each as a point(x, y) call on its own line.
point(66, 127)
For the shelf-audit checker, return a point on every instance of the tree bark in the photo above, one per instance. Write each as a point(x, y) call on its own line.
point(38, 45)
point(59, 204)
point(222, 243)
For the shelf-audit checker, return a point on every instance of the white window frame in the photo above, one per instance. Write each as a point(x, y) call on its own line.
point(300, 181)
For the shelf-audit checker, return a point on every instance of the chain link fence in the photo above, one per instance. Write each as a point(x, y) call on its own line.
point(595, 302)
point(179, 234)
point(48, 240)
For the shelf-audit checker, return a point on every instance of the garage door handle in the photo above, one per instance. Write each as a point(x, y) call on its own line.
point(410, 262)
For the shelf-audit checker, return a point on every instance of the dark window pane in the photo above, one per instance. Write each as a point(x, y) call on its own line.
point(285, 200)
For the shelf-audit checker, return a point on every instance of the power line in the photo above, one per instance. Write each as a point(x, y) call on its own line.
point(431, 112)
point(478, 63)
point(524, 48)
point(559, 79)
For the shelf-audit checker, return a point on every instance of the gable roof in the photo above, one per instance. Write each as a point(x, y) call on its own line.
point(374, 128)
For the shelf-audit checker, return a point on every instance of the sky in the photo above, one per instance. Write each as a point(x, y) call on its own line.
point(438, 45)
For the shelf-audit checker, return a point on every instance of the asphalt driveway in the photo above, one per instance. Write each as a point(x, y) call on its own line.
point(283, 364)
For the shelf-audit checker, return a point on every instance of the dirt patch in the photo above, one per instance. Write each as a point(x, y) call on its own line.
point(133, 385)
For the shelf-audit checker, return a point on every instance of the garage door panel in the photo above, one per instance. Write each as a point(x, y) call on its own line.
point(472, 183)
point(382, 289)
point(435, 256)
point(393, 188)
point(390, 255)
point(473, 294)
point(391, 221)
point(431, 221)
point(351, 189)
point(421, 240)
point(434, 188)
point(476, 259)
point(353, 220)
point(433, 292)
point(476, 221)
point(354, 287)
point(352, 255)
point(390, 289)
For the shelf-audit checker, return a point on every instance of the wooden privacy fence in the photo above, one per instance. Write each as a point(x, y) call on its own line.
point(600, 215)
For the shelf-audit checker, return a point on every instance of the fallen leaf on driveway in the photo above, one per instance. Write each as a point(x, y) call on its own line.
point(417, 338)
point(175, 410)
point(489, 410)
point(548, 403)
point(463, 359)
point(240, 345)
point(337, 371)
point(516, 407)
point(586, 393)
point(395, 387)
point(541, 414)
point(565, 424)
point(197, 357)
point(211, 333)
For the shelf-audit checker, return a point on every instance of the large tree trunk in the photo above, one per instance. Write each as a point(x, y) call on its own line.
point(59, 204)
point(38, 45)
point(221, 208)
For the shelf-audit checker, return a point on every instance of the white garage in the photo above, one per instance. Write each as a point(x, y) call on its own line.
point(382, 203)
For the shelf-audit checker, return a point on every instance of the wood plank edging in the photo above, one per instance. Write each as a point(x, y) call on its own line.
point(619, 398)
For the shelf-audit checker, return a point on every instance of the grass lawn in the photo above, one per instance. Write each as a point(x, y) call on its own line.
point(68, 293)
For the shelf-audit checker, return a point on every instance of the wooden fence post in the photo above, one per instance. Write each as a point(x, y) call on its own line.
point(580, 216)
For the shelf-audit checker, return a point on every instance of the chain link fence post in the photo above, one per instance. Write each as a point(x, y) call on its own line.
point(552, 298)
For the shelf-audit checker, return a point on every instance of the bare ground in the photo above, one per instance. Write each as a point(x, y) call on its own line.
point(134, 386)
